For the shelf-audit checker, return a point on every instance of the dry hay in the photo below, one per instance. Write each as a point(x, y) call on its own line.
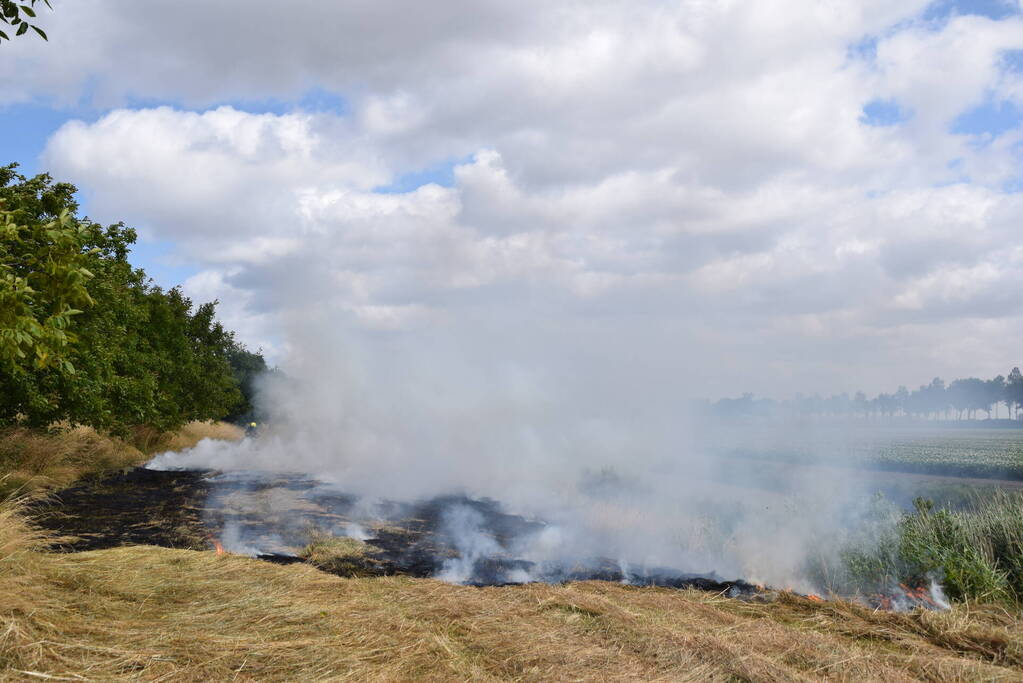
point(152, 441)
point(146, 613)
point(340, 555)
point(32, 459)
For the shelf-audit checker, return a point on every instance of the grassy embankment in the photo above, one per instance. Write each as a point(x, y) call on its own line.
point(31, 460)
point(146, 613)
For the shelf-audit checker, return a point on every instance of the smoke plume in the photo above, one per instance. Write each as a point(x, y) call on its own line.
point(604, 454)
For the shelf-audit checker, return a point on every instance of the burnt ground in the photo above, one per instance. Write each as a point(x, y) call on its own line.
point(271, 515)
point(139, 507)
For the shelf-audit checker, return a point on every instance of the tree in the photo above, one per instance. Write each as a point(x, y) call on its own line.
point(43, 272)
point(1014, 391)
point(14, 14)
point(247, 367)
point(901, 398)
point(936, 397)
point(968, 396)
point(138, 355)
point(995, 393)
point(860, 402)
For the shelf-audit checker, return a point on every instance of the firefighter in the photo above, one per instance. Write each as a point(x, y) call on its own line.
point(250, 429)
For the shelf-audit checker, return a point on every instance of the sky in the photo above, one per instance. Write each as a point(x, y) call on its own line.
point(679, 199)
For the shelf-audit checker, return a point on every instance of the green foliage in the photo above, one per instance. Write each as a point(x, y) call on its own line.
point(134, 354)
point(43, 271)
point(16, 15)
point(247, 367)
point(977, 553)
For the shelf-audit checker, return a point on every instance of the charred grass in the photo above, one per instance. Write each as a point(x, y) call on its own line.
point(33, 459)
point(147, 613)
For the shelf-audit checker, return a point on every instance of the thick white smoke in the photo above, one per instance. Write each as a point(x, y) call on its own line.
point(599, 448)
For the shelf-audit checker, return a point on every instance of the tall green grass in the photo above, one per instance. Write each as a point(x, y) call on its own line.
point(975, 552)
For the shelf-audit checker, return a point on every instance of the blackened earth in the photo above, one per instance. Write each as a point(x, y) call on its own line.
point(189, 509)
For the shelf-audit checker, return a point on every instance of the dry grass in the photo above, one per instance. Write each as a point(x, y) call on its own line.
point(34, 459)
point(339, 555)
point(145, 613)
point(150, 441)
point(31, 459)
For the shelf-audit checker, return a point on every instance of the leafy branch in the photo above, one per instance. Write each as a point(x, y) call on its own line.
point(16, 16)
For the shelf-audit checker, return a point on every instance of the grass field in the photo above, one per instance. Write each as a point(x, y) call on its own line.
point(144, 613)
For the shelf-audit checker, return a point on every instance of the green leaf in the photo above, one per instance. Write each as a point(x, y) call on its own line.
point(4, 36)
point(28, 10)
point(22, 29)
point(40, 32)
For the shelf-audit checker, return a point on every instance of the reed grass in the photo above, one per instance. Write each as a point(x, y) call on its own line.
point(974, 551)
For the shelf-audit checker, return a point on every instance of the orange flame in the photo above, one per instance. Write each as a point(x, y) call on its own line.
point(920, 594)
point(219, 548)
point(814, 597)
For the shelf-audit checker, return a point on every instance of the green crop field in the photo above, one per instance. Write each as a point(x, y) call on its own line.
point(994, 453)
point(971, 453)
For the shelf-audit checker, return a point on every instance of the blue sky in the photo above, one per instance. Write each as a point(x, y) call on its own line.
point(992, 9)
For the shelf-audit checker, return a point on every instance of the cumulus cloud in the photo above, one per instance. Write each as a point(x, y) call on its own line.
point(690, 189)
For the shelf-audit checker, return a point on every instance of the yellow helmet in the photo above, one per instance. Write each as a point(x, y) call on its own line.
point(252, 424)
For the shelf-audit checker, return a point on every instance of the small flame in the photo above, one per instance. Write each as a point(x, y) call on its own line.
point(904, 598)
point(217, 546)
point(814, 597)
point(920, 594)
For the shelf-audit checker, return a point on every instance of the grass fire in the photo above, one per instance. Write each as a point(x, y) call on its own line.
point(532, 341)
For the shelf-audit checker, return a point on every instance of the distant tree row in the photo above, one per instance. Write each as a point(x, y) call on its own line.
point(958, 400)
point(86, 338)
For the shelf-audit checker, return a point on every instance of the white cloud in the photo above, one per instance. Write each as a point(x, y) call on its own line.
point(691, 182)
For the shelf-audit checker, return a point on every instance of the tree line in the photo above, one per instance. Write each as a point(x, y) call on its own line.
point(960, 399)
point(88, 339)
